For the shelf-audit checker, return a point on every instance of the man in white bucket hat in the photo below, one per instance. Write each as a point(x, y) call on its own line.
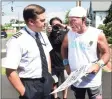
point(80, 48)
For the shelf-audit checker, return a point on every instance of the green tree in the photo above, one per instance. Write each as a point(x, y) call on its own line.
point(16, 21)
point(12, 21)
point(66, 17)
point(107, 27)
point(2, 27)
point(6, 26)
point(109, 16)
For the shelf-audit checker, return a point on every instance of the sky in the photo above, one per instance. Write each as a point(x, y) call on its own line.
point(53, 8)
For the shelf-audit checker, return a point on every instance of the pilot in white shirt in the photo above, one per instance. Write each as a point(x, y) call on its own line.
point(24, 66)
point(23, 53)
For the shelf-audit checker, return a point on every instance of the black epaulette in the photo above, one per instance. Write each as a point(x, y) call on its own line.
point(17, 35)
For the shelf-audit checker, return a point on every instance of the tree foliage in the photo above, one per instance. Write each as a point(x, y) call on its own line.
point(12, 21)
point(107, 27)
point(16, 21)
point(109, 16)
point(6, 26)
point(66, 17)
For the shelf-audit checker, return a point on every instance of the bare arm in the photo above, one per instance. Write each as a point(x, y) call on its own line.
point(104, 50)
point(49, 65)
point(64, 48)
point(15, 80)
point(64, 52)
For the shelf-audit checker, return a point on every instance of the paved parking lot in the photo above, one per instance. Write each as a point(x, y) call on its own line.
point(8, 92)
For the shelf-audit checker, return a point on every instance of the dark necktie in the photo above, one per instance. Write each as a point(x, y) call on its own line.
point(42, 55)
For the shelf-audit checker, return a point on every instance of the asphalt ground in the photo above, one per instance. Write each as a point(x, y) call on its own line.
point(8, 92)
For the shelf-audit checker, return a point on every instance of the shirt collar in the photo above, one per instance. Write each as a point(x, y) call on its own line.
point(32, 33)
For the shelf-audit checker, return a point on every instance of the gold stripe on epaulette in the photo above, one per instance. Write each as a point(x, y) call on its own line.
point(17, 35)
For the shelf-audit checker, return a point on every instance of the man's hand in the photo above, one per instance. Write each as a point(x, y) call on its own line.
point(15, 80)
point(22, 92)
point(94, 68)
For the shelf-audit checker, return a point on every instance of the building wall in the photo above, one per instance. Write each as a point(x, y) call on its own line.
point(99, 17)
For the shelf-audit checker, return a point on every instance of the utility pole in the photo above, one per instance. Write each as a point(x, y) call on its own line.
point(18, 20)
point(78, 3)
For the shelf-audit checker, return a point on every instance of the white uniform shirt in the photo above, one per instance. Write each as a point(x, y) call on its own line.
point(23, 54)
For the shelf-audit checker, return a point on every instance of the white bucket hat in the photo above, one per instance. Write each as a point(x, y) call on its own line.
point(77, 12)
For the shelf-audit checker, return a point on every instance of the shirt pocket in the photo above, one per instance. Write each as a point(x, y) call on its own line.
point(29, 54)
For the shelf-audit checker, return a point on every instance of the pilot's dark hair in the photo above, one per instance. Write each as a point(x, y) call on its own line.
point(32, 11)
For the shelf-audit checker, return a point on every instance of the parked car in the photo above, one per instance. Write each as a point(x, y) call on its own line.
point(3, 34)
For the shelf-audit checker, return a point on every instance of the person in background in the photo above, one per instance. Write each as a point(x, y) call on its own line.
point(56, 36)
point(80, 47)
point(28, 54)
point(3, 33)
point(48, 30)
